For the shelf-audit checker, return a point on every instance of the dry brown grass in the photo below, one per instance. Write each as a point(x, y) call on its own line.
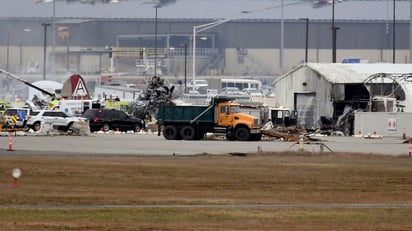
point(265, 179)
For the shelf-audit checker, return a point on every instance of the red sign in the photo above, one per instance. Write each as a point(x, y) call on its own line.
point(106, 78)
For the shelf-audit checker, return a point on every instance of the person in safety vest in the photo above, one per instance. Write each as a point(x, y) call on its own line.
point(53, 103)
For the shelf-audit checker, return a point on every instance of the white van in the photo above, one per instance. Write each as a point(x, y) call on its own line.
point(200, 83)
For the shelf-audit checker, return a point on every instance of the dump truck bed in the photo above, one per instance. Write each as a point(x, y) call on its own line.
point(186, 114)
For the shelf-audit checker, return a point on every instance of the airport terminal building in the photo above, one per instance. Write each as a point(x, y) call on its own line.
point(226, 37)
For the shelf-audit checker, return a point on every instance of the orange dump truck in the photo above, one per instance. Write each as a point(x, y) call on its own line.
point(221, 116)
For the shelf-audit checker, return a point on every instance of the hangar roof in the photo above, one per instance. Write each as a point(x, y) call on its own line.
point(352, 73)
point(345, 10)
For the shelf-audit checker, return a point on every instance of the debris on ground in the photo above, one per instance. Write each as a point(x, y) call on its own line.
point(288, 134)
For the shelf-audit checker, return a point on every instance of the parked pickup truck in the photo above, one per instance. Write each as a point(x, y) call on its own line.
point(222, 116)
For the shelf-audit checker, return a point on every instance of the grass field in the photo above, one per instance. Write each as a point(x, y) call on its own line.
point(270, 191)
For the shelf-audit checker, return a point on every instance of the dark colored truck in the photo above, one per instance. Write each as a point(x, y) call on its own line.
point(222, 116)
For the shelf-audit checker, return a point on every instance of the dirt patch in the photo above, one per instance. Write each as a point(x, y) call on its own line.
point(60, 192)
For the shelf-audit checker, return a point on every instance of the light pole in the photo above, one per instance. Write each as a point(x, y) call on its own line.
point(197, 29)
point(306, 38)
point(410, 32)
point(282, 38)
point(45, 25)
point(394, 41)
point(155, 55)
point(53, 39)
point(185, 45)
point(334, 30)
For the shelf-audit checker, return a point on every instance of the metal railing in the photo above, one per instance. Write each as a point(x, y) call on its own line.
point(162, 52)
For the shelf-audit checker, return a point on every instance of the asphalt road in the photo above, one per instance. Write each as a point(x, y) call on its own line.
point(151, 144)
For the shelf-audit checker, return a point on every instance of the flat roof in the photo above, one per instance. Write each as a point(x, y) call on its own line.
point(345, 10)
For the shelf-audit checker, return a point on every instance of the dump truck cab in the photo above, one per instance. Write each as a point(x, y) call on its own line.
point(240, 126)
point(226, 113)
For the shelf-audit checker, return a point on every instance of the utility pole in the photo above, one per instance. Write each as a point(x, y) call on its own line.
point(334, 31)
point(394, 30)
point(155, 58)
point(185, 67)
point(45, 25)
point(410, 32)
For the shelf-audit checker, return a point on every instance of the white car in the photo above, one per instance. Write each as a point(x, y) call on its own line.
point(201, 85)
point(231, 91)
point(58, 119)
point(252, 92)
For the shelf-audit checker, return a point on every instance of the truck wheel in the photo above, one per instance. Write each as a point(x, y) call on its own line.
point(36, 126)
point(137, 128)
point(188, 133)
point(70, 128)
point(170, 132)
point(242, 134)
point(106, 127)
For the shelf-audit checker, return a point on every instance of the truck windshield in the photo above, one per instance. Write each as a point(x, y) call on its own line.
point(235, 109)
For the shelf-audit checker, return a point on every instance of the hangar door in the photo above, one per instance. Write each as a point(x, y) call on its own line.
point(305, 104)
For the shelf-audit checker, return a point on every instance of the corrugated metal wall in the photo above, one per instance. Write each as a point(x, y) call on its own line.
point(308, 93)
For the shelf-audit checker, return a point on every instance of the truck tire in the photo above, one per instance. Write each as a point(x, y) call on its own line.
point(170, 132)
point(73, 130)
point(69, 128)
point(36, 126)
point(242, 134)
point(106, 127)
point(188, 133)
point(137, 127)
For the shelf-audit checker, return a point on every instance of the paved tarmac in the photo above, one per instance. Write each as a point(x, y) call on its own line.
point(151, 144)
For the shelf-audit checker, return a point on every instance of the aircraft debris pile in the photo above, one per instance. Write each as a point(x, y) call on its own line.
point(285, 134)
point(147, 104)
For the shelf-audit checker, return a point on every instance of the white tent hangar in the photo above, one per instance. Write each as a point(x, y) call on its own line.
point(323, 93)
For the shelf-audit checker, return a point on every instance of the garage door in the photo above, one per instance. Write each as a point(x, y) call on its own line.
point(305, 106)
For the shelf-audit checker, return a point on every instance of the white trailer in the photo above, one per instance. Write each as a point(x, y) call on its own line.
point(392, 124)
point(77, 107)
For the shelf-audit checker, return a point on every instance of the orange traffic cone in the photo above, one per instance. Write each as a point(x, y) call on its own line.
point(410, 148)
point(10, 142)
